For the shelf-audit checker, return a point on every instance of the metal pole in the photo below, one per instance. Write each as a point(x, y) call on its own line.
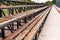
point(0, 13)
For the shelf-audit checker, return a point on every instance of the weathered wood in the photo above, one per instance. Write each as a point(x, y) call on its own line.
point(13, 18)
point(28, 29)
point(7, 7)
point(36, 27)
point(20, 16)
point(19, 31)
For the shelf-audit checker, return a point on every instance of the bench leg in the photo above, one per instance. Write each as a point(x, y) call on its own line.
point(3, 33)
point(10, 29)
point(19, 10)
point(30, 17)
point(12, 25)
point(34, 16)
point(18, 24)
point(36, 37)
point(12, 11)
point(0, 13)
point(25, 19)
point(23, 9)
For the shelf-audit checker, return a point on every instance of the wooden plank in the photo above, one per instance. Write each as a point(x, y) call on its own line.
point(20, 16)
point(6, 7)
point(23, 13)
point(19, 30)
point(35, 29)
point(27, 30)
point(5, 18)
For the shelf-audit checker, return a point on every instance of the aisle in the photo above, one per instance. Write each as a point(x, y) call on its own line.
point(51, 29)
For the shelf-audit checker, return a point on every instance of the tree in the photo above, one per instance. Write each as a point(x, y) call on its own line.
point(49, 2)
point(54, 1)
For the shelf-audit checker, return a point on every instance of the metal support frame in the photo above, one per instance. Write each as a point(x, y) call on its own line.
point(11, 27)
point(30, 17)
point(3, 13)
point(9, 11)
point(3, 33)
point(0, 13)
point(23, 9)
point(25, 19)
point(15, 10)
point(12, 11)
point(19, 10)
point(18, 24)
point(33, 16)
point(8, 3)
point(36, 36)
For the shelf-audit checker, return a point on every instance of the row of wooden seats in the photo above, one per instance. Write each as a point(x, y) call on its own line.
point(31, 34)
point(37, 28)
point(24, 27)
point(5, 23)
point(5, 7)
point(22, 13)
point(29, 28)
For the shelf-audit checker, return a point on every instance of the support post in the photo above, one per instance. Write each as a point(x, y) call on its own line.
point(10, 29)
point(12, 11)
point(3, 33)
point(18, 24)
point(0, 13)
point(25, 19)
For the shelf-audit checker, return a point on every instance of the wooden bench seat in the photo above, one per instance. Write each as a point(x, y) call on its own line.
point(5, 18)
point(5, 7)
point(34, 31)
point(26, 31)
point(9, 23)
point(19, 30)
point(20, 16)
point(29, 28)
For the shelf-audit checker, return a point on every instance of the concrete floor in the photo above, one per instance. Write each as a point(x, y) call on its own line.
point(51, 29)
